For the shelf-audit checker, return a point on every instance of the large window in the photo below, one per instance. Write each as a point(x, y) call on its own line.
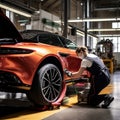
point(116, 25)
point(116, 43)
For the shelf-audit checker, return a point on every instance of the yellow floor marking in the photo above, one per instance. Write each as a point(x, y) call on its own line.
point(107, 90)
point(36, 115)
point(39, 115)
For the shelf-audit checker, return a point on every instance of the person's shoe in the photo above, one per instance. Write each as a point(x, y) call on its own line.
point(107, 101)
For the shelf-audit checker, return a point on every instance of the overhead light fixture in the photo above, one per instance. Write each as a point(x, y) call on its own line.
point(108, 35)
point(83, 34)
point(112, 29)
point(95, 37)
point(92, 20)
point(79, 33)
point(15, 10)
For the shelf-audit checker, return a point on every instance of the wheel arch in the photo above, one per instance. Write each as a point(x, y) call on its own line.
point(50, 60)
point(56, 62)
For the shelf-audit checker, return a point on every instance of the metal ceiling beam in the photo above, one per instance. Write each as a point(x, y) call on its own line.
point(105, 8)
point(53, 4)
point(107, 5)
point(17, 4)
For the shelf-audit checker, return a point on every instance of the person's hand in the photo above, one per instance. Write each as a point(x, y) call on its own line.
point(68, 73)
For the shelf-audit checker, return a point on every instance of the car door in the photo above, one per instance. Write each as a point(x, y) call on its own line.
point(71, 59)
point(73, 62)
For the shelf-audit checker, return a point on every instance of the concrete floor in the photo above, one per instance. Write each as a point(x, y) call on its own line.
point(23, 110)
point(84, 112)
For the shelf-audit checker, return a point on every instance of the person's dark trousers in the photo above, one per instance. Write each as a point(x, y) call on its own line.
point(98, 83)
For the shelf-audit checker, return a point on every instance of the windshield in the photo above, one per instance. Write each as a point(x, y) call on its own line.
point(68, 43)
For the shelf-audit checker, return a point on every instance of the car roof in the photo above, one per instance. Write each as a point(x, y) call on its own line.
point(38, 32)
point(28, 34)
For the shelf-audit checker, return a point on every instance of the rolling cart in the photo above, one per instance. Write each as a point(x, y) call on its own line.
point(83, 94)
point(82, 83)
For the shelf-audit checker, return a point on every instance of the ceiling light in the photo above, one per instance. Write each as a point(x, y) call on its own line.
point(112, 29)
point(79, 33)
point(92, 20)
point(15, 10)
point(108, 35)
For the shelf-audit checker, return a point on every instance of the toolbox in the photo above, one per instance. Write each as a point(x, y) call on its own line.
point(83, 94)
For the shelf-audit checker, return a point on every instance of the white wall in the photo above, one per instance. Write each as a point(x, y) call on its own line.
point(36, 22)
point(117, 58)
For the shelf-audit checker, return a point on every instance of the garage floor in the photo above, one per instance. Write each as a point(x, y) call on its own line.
point(22, 109)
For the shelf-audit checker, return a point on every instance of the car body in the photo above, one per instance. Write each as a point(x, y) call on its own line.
point(33, 67)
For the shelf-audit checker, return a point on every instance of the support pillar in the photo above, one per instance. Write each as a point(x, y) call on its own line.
point(65, 18)
point(85, 23)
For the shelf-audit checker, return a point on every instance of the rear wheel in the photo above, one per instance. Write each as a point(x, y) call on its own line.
point(47, 87)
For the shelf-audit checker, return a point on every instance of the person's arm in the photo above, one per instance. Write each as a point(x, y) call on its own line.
point(79, 73)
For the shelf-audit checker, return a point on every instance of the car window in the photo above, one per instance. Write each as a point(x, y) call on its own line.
point(47, 38)
point(50, 39)
point(44, 38)
point(29, 35)
point(56, 41)
point(68, 43)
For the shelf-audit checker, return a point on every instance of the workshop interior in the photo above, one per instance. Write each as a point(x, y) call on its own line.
point(38, 43)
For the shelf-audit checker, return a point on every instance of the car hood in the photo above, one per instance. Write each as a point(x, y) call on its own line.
point(7, 29)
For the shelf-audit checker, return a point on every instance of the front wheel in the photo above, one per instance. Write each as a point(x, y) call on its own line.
point(48, 85)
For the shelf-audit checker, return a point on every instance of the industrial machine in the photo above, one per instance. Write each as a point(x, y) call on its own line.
point(104, 50)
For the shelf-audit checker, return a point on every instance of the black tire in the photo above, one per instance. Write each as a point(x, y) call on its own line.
point(47, 87)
